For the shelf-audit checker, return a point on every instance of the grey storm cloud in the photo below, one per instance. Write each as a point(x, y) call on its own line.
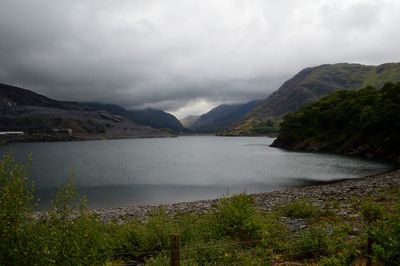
point(171, 53)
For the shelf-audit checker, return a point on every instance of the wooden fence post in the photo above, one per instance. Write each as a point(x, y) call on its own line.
point(174, 250)
point(369, 250)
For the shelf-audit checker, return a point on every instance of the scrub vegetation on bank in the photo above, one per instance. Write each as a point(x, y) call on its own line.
point(234, 232)
point(359, 122)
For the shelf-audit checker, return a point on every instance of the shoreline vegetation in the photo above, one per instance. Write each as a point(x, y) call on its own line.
point(350, 222)
point(351, 122)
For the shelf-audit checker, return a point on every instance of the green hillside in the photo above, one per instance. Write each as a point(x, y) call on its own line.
point(360, 122)
point(311, 84)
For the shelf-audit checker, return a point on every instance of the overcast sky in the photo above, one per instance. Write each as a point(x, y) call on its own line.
point(185, 56)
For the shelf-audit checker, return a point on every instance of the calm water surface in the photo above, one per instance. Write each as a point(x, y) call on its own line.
point(150, 171)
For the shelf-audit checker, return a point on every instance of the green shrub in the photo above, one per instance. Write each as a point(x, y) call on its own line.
point(67, 235)
point(386, 236)
point(16, 200)
point(82, 240)
point(311, 243)
point(210, 252)
point(330, 261)
point(320, 241)
point(139, 240)
point(129, 237)
point(237, 217)
point(71, 235)
point(158, 230)
point(195, 227)
point(223, 252)
point(372, 212)
point(301, 208)
point(274, 234)
point(346, 257)
point(158, 260)
point(323, 241)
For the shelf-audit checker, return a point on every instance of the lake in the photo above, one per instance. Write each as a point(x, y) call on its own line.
point(164, 170)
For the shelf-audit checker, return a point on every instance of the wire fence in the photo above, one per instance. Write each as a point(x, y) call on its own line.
point(218, 252)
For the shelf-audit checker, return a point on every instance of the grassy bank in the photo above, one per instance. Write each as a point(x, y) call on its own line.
point(335, 231)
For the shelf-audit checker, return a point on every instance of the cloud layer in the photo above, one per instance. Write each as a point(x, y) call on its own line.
point(185, 56)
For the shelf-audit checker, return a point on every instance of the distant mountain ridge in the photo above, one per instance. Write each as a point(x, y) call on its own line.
point(44, 119)
point(157, 119)
point(313, 83)
point(222, 117)
point(148, 117)
point(12, 96)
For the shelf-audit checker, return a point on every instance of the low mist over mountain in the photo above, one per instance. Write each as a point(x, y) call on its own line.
point(188, 121)
point(222, 117)
point(311, 84)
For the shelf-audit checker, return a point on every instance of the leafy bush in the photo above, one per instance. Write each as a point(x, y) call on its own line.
point(320, 241)
point(159, 229)
point(210, 252)
point(386, 236)
point(224, 252)
point(372, 212)
point(72, 234)
point(346, 256)
point(274, 235)
point(16, 199)
point(237, 217)
point(312, 243)
point(301, 208)
point(65, 236)
point(158, 260)
point(330, 261)
point(129, 237)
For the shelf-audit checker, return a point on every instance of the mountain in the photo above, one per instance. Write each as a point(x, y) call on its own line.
point(188, 121)
point(357, 122)
point(157, 119)
point(311, 84)
point(42, 118)
point(147, 117)
point(11, 97)
point(222, 117)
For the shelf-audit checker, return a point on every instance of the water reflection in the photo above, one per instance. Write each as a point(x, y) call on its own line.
point(151, 171)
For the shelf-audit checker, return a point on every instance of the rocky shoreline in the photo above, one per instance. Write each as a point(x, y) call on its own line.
point(322, 195)
point(348, 148)
point(84, 137)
